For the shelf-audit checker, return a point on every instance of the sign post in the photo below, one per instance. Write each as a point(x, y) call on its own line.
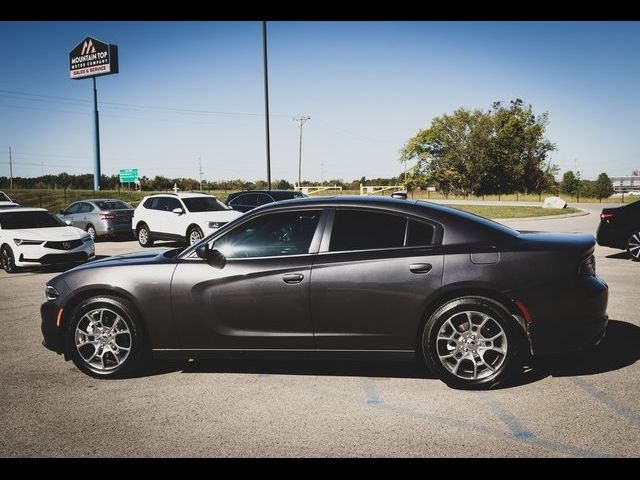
point(90, 59)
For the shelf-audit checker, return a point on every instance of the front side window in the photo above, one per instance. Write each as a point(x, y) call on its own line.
point(173, 203)
point(148, 203)
point(72, 209)
point(246, 200)
point(276, 234)
point(263, 199)
point(85, 207)
point(362, 230)
point(204, 204)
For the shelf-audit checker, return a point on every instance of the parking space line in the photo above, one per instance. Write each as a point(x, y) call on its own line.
point(518, 430)
point(371, 389)
point(607, 400)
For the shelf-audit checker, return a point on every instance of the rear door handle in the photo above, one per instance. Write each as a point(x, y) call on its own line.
point(292, 278)
point(420, 267)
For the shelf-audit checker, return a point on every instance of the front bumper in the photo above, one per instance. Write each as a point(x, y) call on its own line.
point(51, 333)
point(34, 256)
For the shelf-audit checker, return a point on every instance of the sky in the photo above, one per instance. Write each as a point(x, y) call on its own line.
point(194, 90)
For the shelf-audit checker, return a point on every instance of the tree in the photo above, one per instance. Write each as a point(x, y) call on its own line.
point(501, 150)
point(570, 183)
point(603, 187)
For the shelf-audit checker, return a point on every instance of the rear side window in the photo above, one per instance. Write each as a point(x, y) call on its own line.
point(85, 207)
point(360, 230)
point(73, 209)
point(419, 234)
point(246, 200)
point(162, 203)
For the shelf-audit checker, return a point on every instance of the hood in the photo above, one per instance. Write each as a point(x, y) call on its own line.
point(218, 216)
point(559, 241)
point(137, 258)
point(49, 233)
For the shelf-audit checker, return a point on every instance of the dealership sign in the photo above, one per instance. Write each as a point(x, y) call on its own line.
point(91, 58)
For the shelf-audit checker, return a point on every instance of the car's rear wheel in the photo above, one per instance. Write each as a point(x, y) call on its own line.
point(91, 231)
point(194, 235)
point(144, 236)
point(7, 259)
point(471, 342)
point(633, 245)
point(104, 338)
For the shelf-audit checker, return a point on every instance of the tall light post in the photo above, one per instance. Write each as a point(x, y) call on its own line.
point(266, 99)
point(301, 120)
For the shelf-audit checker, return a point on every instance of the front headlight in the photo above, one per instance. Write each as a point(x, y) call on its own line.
point(19, 242)
point(216, 224)
point(51, 292)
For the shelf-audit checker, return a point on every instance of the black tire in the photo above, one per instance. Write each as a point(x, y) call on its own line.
point(138, 355)
point(91, 230)
point(633, 246)
point(7, 260)
point(144, 236)
point(194, 232)
point(474, 348)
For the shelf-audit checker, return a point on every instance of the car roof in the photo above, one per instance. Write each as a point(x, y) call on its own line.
point(23, 209)
point(182, 194)
point(100, 200)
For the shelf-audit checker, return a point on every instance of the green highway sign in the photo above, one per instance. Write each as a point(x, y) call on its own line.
point(128, 175)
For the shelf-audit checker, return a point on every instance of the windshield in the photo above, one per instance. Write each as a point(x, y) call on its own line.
point(112, 205)
point(19, 220)
point(4, 198)
point(204, 204)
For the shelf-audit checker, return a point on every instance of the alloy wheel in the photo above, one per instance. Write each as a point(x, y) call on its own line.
point(103, 339)
point(633, 245)
point(195, 236)
point(471, 345)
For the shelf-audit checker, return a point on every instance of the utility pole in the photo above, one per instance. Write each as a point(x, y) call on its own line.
point(301, 120)
point(266, 99)
point(200, 169)
point(10, 170)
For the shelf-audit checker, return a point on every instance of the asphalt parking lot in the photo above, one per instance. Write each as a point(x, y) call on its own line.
point(579, 405)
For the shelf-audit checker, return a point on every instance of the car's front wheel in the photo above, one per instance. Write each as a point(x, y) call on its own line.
point(633, 246)
point(194, 235)
point(471, 342)
point(104, 337)
point(8, 260)
point(144, 236)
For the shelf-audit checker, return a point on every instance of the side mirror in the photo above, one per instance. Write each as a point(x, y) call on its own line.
point(68, 222)
point(214, 257)
point(178, 211)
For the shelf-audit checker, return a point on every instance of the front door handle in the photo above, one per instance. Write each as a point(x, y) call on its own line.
point(420, 267)
point(291, 278)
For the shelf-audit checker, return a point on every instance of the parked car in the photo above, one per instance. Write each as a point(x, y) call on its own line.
point(185, 217)
point(620, 228)
point(6, 201)
point(34, 237)
point(99, 217)
point(250, 199)
point(363, 277)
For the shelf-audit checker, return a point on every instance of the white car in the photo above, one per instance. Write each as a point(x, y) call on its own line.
point(6, 202)
point(185, 217)
point(34, 237)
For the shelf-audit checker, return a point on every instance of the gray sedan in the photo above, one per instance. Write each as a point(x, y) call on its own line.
point(99, 217)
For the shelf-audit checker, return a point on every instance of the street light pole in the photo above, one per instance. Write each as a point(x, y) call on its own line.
point(301, 120)
point(266, 99)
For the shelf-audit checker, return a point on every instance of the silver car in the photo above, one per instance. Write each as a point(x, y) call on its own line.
point(99, 217)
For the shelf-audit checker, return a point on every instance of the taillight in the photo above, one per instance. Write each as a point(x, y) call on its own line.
point(587, 267)
point(107, 216)
point(606, 216)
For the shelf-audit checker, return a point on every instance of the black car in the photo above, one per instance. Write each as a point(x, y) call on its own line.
point(345, 277)
point(250, 199)
point(620, 228)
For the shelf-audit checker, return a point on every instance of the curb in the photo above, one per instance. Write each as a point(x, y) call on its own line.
point(581, 213)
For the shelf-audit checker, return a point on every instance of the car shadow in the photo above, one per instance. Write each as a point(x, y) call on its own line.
point(617, 350)
point(620, 256)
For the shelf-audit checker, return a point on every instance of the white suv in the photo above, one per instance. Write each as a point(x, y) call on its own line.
point(182, 216)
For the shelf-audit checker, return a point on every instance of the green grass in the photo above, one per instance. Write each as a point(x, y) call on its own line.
point(504, 211)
